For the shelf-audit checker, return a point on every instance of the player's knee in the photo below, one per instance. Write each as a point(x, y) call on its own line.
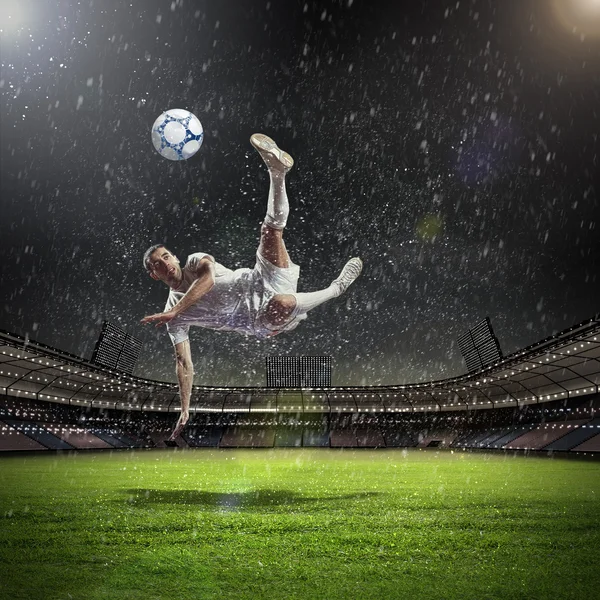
point(270, 232)
point(280, 308)
point(284, 302)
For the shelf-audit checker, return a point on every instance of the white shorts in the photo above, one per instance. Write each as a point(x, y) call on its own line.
point(276, 280)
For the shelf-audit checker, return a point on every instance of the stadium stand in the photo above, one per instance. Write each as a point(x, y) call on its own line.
point(13, 439)
point(542, 435)
point(469, 439)
point(315, 438)
point(492, 436)
point(247, 437)
point(370, 437)
point(39, 434)
point(343, 438)
point(112, 440)
point(436, 438)
point(85, 428)
point(288, 437)
point(543, 398)
point(512, 434)
point(576, 437)
point(203, 437)
point(400, 439)
point(591, 445)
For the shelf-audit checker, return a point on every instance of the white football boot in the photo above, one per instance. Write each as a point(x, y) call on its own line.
point(276, 159)
point(349, 274)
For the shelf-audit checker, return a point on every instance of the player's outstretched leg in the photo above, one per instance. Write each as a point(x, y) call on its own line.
point(306, 301)
point(284, 308)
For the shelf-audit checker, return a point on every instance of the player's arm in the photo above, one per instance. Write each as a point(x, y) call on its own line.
point(185, 377)
point(205, 280)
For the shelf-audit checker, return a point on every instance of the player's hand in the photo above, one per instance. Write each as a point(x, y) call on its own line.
point(159, 318)
point(183, 419)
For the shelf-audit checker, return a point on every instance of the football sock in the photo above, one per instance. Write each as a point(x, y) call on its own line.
point(278, 207)
point(306, 301)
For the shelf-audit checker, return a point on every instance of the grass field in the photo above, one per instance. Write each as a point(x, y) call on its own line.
point(298, 523)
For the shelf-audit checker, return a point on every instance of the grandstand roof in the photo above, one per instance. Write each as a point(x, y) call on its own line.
point(562, 366)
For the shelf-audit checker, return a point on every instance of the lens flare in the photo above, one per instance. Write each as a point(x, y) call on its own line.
point(13, 16)
point(580, 17)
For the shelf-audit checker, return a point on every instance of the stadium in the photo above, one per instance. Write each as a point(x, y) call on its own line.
point(459, 487)
point(539, 399)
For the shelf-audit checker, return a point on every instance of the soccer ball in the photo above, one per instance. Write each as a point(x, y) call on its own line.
point(177, 134)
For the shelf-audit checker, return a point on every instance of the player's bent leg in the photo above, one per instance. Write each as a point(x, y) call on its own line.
point(274, 157)
point(272, 248)
point(278, 163)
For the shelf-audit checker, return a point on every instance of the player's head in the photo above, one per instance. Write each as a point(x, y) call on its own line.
point(162, 264)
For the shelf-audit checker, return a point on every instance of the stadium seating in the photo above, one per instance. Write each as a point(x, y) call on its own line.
point(542, 435)
point(288, 437)
point(512, 434)
point(576, 437)
point(437, 438)
point(247, 437)
point(591, 445)
point(561, 426)
point(316, 438)
point(343, 438)
point(199, 437)
point(399, 439)
point(370, 437)
point(39, 434)
point(77, 437)
point(12, 439)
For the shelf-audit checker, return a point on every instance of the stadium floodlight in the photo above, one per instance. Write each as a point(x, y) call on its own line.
point(116, 349)
point(298, 371)
point(479, 346)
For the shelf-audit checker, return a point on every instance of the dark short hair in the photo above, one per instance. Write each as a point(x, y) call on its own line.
point(149, 253)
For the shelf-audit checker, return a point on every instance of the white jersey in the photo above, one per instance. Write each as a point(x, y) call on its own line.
point(236, 302)
point(230, 305)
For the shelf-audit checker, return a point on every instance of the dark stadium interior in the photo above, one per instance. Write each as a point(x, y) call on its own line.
point(451, 145)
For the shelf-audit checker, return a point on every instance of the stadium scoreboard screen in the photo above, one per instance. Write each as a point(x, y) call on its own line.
point(116, 349)
point(299, 371)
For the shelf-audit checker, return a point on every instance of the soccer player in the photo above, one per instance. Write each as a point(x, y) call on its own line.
point(262, 301)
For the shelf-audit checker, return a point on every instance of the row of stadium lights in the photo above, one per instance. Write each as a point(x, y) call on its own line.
point(74, 372)
point(390, 409)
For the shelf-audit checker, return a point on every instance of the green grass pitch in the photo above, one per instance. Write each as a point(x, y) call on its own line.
point(299, 523)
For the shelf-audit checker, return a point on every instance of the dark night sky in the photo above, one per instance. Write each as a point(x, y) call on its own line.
point(452, 145)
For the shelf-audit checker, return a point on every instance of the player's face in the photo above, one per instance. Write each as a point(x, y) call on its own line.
point(165, 266)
